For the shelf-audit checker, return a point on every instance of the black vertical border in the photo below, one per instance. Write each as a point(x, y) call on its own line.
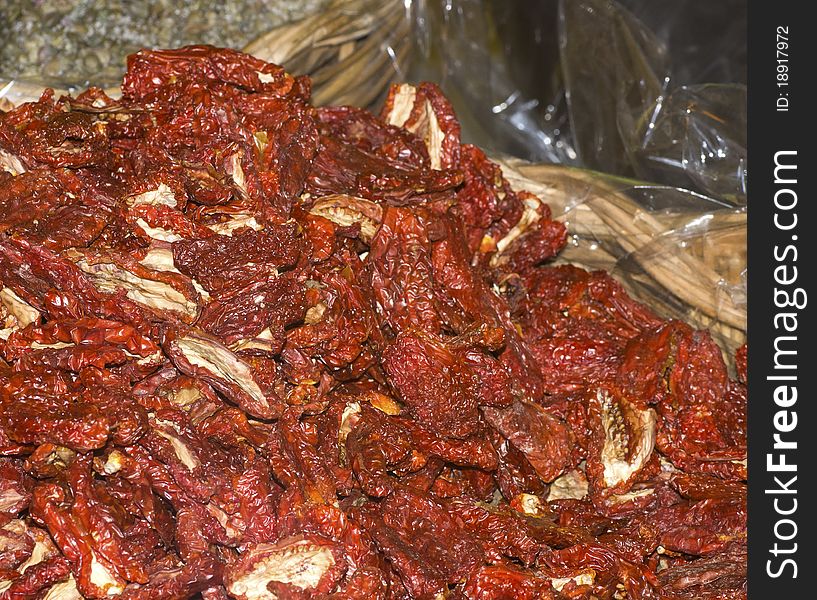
point(771, 131)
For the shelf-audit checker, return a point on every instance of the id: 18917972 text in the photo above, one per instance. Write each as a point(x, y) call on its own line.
point(782, 68)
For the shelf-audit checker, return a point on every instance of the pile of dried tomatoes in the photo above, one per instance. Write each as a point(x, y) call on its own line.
point(252, 348)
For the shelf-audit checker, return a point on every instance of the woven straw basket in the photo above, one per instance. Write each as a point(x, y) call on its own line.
point(685, 264)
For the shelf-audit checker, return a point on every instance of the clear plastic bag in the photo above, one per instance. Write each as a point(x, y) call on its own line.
point(458, 45)
point(637, 88)
point(696, 139)
point(632, 116)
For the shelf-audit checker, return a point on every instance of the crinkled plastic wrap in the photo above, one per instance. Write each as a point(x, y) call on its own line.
point(653, 90)
point(629, 112)
point(508, 97)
